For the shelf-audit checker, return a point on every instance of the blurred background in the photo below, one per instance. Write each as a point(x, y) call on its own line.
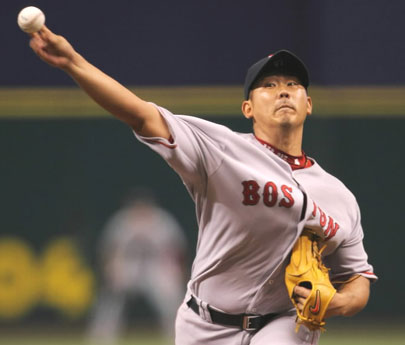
point(67, 166)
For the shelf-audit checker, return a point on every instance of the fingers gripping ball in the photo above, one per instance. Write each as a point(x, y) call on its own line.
point(31, 19)
point(306, 269)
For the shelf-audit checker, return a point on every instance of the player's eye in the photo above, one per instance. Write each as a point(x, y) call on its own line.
point(269, 84)
point(292, 83)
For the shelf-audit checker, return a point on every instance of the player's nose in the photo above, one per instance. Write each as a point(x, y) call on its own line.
point(283, 91)
point(284, 94)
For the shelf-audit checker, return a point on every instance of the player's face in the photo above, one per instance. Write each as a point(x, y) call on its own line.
point(277, 101)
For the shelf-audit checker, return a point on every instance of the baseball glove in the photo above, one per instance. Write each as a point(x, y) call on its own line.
point(306, 269)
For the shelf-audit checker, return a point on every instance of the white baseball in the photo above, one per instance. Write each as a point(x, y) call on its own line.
point(31, 19)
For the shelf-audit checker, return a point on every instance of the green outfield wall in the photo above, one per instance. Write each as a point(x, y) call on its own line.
point(66, 166)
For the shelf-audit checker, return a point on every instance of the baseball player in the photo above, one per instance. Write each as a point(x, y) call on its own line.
point(142, 251)
point(254, 195)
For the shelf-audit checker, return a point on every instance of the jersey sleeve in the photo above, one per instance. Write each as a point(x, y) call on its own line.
point(350, 258)
point(192, 149)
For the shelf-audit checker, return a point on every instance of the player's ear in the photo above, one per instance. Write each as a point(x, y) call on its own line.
point(309, 105)
point(247, 109)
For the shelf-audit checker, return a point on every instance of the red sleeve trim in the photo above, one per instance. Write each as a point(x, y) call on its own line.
point(371, 273)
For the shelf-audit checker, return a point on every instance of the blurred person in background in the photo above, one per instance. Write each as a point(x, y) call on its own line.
point(142, 252)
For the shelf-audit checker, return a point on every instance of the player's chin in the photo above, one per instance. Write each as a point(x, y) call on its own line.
point(286, 119)
point(286, 125)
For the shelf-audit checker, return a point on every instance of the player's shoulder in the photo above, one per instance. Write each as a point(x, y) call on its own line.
point(213, 130)
point(222, 135)
point(210, 142)
point(204, 125)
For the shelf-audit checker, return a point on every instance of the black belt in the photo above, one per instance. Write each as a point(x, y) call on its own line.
point(247, 322)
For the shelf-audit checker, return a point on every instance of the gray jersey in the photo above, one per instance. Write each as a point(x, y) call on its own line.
point(251, 207)
point(143, 239)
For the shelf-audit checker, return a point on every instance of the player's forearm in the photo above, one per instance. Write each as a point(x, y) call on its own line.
point(350, 299)
point(143, 117)
point(110, 94)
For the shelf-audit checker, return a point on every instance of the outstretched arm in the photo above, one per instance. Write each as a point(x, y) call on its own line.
point(350, 298)
point(143, 117)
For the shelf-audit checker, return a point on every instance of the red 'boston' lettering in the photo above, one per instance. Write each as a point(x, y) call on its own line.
point(332, 229)
point(288, 201)
point(314, 210)
point(250, 192)
point(322, 218)
point(270, 194)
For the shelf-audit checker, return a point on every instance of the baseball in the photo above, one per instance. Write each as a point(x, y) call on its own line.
point(31, 19)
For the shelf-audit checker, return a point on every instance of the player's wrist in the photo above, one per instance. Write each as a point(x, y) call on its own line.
point(75, 64)
point(343, 304)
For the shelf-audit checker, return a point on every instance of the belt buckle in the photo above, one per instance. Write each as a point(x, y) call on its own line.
point(247, 320)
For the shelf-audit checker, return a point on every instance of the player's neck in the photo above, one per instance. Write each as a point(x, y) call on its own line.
point(295, 162)
point(290, 143)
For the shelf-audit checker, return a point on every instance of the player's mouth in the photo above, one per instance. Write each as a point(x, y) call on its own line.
point(285, 106)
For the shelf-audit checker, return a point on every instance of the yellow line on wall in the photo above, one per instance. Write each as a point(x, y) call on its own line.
point(71, 102)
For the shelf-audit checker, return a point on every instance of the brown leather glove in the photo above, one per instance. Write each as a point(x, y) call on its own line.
point(306, 269)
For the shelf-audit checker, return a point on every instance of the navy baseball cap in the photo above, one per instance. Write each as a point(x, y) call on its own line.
point(284, 62)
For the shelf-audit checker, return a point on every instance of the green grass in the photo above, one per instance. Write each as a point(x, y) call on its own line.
point(42, 339)
point(352, 331)
point(337, 334)
point(364, 336)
